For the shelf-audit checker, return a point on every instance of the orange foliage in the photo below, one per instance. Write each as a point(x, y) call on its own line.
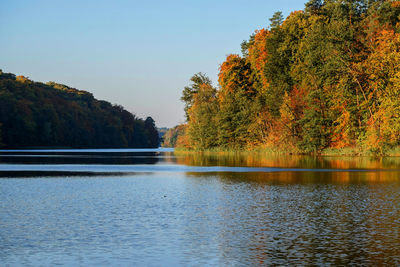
point(382, 68)
point(183, 141)
point(234, 76)
point(340, 135)
point(22, 79)
point(291, 112)
point(258, 56)
point(396, 4)
point(297, 101)
point(224, 79)
point(260, 129)
point(294, 13)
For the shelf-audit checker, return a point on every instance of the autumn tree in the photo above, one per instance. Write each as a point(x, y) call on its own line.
point(202, 124)
point(189, 91)
point(172, 135)
point(235, 97)
point(324, 77)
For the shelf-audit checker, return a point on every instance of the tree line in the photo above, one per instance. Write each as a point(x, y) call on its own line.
point(34, 114)
point(327, 76)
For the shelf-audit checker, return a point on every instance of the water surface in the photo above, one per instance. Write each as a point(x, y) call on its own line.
point(152, 208)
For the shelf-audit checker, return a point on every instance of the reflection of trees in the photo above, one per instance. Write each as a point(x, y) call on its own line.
point(307, 177)
point(118, 158)
point(292, 218)
point(258, 159)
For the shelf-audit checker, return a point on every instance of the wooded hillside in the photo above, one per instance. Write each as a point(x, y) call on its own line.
point(33, 114)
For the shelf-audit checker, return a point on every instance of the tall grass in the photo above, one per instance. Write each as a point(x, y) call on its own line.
point(348, 151)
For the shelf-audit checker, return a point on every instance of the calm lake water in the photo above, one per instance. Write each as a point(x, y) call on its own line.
point(157, 208)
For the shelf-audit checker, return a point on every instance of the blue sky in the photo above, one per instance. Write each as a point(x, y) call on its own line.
point(139, 54)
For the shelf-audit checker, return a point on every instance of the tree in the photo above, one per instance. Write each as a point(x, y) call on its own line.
point(37, 114)
point(172, 135)
point(244, 46)
point(292, 113)
point(202, 125)
point(235, 97)
point(151, 133)
point(382, 91)
point(189, 91)
point(313, 6)
point(325, 77)
point(257, 58)
point(276, 20)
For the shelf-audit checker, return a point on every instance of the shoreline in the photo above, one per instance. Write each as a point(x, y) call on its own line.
point(328, 152)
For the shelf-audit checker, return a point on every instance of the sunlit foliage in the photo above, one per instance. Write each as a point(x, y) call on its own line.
point(325, 77)
point(172, 136)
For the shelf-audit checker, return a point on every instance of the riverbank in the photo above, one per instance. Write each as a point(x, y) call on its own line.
point(349, 151)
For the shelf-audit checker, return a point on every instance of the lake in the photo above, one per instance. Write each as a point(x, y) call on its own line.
point(159, 208)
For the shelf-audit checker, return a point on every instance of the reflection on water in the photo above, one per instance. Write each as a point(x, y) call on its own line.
point(178, 217)
point(45, 158)
point(308, 177)
point(286, 161)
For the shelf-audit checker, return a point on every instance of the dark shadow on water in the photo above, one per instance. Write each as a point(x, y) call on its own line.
point(123, 158)
point(60, 174)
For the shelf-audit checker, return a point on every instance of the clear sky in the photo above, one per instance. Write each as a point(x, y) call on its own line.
point(139, 54)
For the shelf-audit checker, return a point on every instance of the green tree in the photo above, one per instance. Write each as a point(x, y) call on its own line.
point(313, 6)
point(37, 114)
point(151, 132)
point(189, 91)
point(236, 103)
point(276, 20)
point(202, 125)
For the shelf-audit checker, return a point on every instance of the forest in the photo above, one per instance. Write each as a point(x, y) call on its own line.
point(34, 114)
point(326, 77)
